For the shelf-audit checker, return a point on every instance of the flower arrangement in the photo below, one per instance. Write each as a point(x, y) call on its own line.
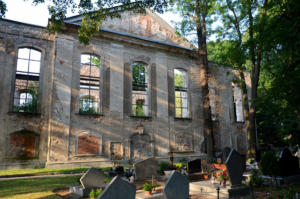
point(222, 175)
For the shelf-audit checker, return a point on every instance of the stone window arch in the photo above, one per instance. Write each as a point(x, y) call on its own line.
point(88, 144)
point(22, 144)
point(89, 94)
point(27, 76)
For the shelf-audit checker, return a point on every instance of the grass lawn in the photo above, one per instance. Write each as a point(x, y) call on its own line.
point(35, 188)
point(44, 171)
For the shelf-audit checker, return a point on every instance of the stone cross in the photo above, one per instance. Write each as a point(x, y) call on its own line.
point(118, 189)
point(146, 169)
point(235, 165)
point(177, 187)
point(93, 178)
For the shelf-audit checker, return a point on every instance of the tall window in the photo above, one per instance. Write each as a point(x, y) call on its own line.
point(27, 80)
point(89, 102)
point(238, 103)
point(181, 94)
point(140, 90)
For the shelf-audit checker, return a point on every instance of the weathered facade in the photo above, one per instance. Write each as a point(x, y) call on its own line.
point(134, 92)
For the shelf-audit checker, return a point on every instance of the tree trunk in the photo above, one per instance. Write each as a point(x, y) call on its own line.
point(204, 75)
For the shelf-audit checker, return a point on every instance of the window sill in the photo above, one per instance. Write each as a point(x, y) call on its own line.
point(182, 118)
point(142, 117)
point(23, 113)
point(90, 115)
point(87, 155)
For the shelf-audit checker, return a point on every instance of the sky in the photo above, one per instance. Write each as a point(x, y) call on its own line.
point(24, 11)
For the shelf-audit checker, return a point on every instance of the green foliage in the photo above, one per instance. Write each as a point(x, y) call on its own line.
point(94, 194)
point(32, 105)
point(255, 178)
point(286, 194)
point(162, 167)
point(148, 187)
point(269, 165)
point(2, 8)
point(138, 76)
point(89, 111)
point(139, 109)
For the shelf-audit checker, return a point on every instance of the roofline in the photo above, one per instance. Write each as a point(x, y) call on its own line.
point(23, 23)
point(138, 37)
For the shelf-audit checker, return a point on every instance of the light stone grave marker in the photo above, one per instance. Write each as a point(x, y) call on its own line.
point(118, 188)
point(177, 187)
point(93, 178)
point(145, 169)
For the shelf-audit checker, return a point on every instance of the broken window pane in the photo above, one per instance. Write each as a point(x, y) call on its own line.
point(181, 95)
point(27, 80)
point(89, 95)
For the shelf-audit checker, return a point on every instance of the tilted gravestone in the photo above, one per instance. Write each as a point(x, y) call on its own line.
point(177, 187)
point(118, 189)
point(194, 166)
point(225, 154)
point(146, 169)
point(93, 178)
point(288, 164)
point(235, 167)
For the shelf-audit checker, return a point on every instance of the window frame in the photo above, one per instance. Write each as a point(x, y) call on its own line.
point(100, 88)
point(181, 90)
point(40, 80)
point(147, 86)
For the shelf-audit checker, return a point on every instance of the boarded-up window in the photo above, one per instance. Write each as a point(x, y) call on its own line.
point(88, 144)
point(23, 144)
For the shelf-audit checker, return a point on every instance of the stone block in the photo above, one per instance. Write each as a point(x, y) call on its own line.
point(146, 168)
point(119, 189)
point(177, 187)
point(93, 178)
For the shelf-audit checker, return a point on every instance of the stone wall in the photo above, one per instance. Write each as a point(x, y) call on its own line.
point(69, 139)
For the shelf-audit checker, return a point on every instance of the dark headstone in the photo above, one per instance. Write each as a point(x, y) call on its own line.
point(93, 178)
point(177, 187)
point(194, 166)
point(146, 168)
point(240, 192)
point(225, 153)
point(235, 165)
point(118, 189)
point(288, 164)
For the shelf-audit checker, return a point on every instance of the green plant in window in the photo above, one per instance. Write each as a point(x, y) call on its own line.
point(139, 110)
point(30, 106)
point(95, 61)
point(86, 106)
point(178, 80)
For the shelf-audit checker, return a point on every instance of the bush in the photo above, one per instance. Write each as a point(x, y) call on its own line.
point(95, 194)
point(269, 165)
point(162, 167)
point(148, 187)
point(255, 178)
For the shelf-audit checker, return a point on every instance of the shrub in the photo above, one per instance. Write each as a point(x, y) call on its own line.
point(148, 187)
point(255, 178)
point(269, 165)
point(95, 194)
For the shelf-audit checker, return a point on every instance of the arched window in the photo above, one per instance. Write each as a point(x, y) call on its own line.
point(27, 80)
point(89, 102)
point(140, 90)
point(181, 94)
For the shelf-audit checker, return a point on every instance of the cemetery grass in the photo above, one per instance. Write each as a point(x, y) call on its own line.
point(44, 171)
point(35, 188)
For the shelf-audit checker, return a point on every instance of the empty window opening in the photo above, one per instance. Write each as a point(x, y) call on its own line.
point(181, 94)
point(140, 90)
point(27, 80)
point(89, 102)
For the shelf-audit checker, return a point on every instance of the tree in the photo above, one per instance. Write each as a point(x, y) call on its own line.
point(94, 12)
point(196, 16)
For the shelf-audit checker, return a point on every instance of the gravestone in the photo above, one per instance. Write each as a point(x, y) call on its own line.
point(177, 187)
point(93, 178)
point(145, 169)
point(225, 153)
point(194, 166)
point(118, 189)
point(235, 165)
point(288, 164)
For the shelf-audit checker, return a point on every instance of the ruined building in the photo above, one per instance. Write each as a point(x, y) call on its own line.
point(134, 92)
